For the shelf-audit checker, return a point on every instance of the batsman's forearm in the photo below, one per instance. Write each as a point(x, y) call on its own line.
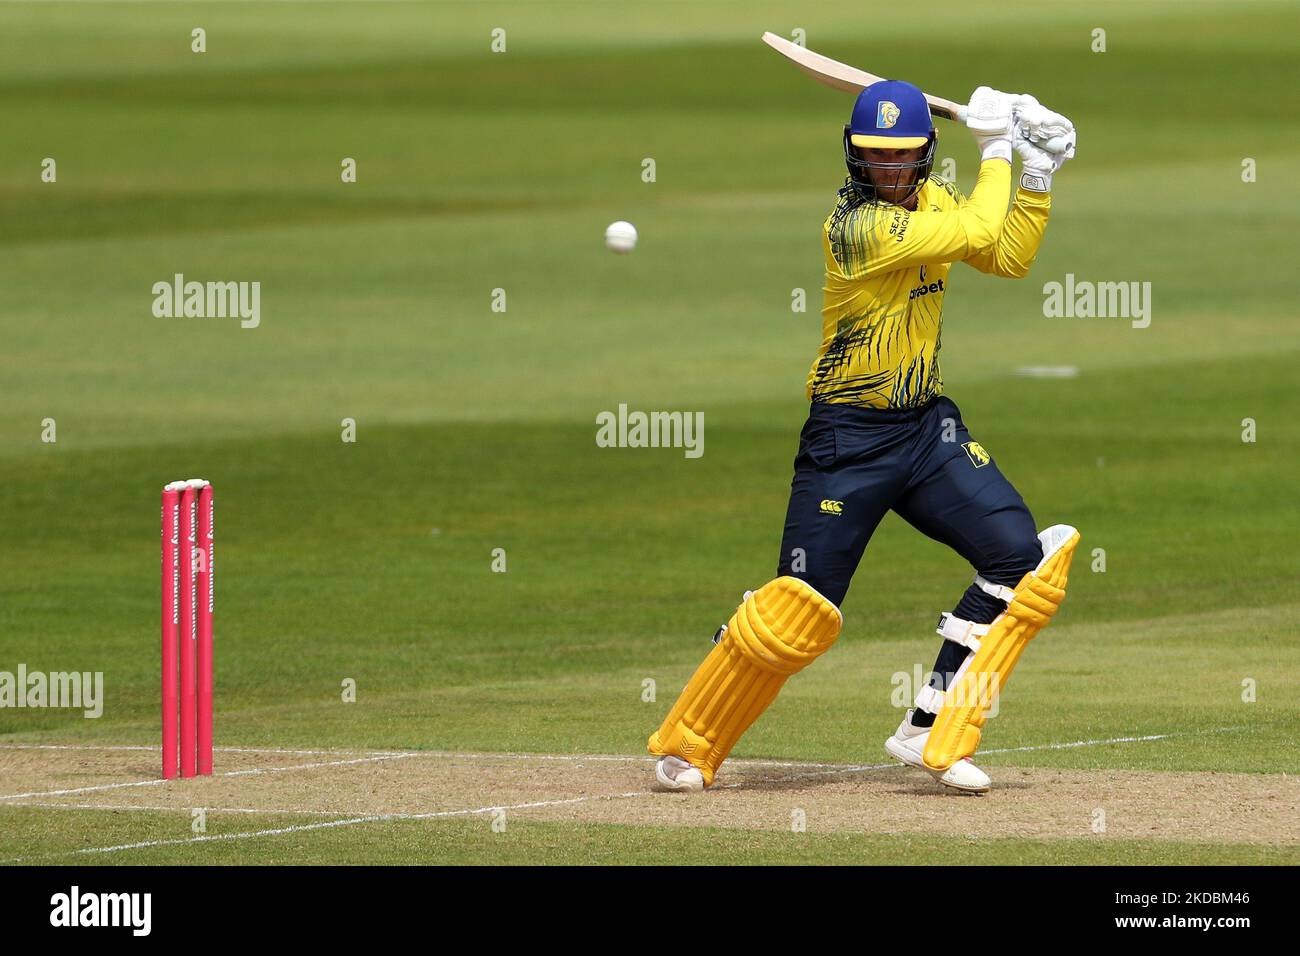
point(1022, 234)
point(983, 213)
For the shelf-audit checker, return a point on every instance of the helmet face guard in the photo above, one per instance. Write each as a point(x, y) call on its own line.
point(888, 175)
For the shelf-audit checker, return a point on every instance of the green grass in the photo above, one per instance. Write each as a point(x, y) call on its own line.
point(620, 564)
point(480, 171)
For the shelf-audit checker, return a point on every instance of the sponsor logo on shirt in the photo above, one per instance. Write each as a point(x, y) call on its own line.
point(930, 289)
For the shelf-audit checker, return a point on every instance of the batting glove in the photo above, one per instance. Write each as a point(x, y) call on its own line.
point(1037, 164)
point(1046, 128)
point(988, 116)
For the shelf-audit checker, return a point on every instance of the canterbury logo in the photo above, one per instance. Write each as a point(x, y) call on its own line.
point(978, 455)
point(832, 507)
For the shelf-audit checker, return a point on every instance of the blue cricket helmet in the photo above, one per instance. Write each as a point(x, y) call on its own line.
point(889, 114)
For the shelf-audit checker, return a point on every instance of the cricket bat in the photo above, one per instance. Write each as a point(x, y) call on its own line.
point(841, 76)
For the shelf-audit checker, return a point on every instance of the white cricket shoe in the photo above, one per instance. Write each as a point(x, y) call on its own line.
point(907, 745)
point(675, 773)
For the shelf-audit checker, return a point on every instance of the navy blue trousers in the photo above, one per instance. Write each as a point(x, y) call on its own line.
point(855, 464)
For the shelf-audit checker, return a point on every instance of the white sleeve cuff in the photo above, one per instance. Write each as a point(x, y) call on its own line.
point(996, 149)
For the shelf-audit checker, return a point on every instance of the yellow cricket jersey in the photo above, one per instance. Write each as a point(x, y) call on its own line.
point(887, 272)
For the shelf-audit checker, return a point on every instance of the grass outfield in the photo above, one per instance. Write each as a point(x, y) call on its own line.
point(372, 561)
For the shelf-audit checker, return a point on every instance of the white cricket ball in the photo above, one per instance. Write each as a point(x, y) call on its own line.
point(620, 237)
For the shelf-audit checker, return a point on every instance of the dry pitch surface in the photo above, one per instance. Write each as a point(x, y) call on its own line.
point(261, 796)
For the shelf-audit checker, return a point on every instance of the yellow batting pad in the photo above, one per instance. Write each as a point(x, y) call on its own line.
point(779, 630)
point(957, 727)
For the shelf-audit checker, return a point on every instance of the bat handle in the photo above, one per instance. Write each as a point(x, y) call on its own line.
point(961, 115)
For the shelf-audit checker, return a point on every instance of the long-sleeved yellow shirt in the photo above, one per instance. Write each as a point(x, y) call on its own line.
point(887, 272)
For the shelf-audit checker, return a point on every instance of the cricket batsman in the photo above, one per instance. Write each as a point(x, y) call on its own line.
point(881, 435)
